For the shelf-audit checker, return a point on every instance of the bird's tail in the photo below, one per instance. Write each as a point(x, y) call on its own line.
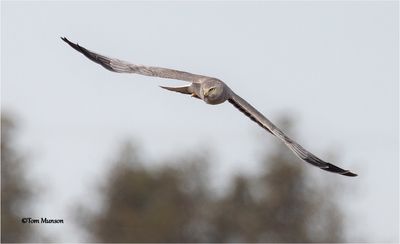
point(180, 89)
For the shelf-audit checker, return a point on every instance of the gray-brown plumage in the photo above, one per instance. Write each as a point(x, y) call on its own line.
point(211, 91)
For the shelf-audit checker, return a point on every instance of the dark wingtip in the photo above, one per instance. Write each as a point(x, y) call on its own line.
point(348, 173)
point(102, 60)
point(73, 45)
point(335, 169)
point(65, 39)
point(80, 49)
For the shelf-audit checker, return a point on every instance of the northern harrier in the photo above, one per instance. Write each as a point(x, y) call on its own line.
point(211, 91)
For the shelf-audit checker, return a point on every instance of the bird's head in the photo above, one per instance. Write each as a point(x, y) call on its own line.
point(212, 91)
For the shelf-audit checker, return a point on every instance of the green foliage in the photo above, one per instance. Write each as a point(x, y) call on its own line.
point(144, 205)
point(174, 204)
point(15, 190)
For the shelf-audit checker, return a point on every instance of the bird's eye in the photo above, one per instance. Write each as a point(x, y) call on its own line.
point(212, 88)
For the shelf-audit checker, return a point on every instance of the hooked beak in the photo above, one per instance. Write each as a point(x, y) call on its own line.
point(206, 93)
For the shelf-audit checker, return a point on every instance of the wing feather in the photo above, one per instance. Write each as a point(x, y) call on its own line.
point(299, 151)
point(121, 66)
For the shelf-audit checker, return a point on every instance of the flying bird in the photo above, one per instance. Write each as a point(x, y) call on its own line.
point(211, 91)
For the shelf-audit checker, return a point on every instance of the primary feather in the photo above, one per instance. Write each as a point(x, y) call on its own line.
point(121, 66)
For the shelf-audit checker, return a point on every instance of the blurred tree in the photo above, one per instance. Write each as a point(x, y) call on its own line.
point(173, 204)
point(143, 205)
point(282, 205)
point(15, 190)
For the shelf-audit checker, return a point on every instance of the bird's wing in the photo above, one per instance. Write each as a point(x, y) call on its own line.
point(302, 153)
point(120, 66)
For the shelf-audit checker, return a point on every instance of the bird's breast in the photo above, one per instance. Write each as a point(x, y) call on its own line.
point(215, 100)
point(212, 102)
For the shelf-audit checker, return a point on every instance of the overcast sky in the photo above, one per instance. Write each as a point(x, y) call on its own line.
point(333, 66)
